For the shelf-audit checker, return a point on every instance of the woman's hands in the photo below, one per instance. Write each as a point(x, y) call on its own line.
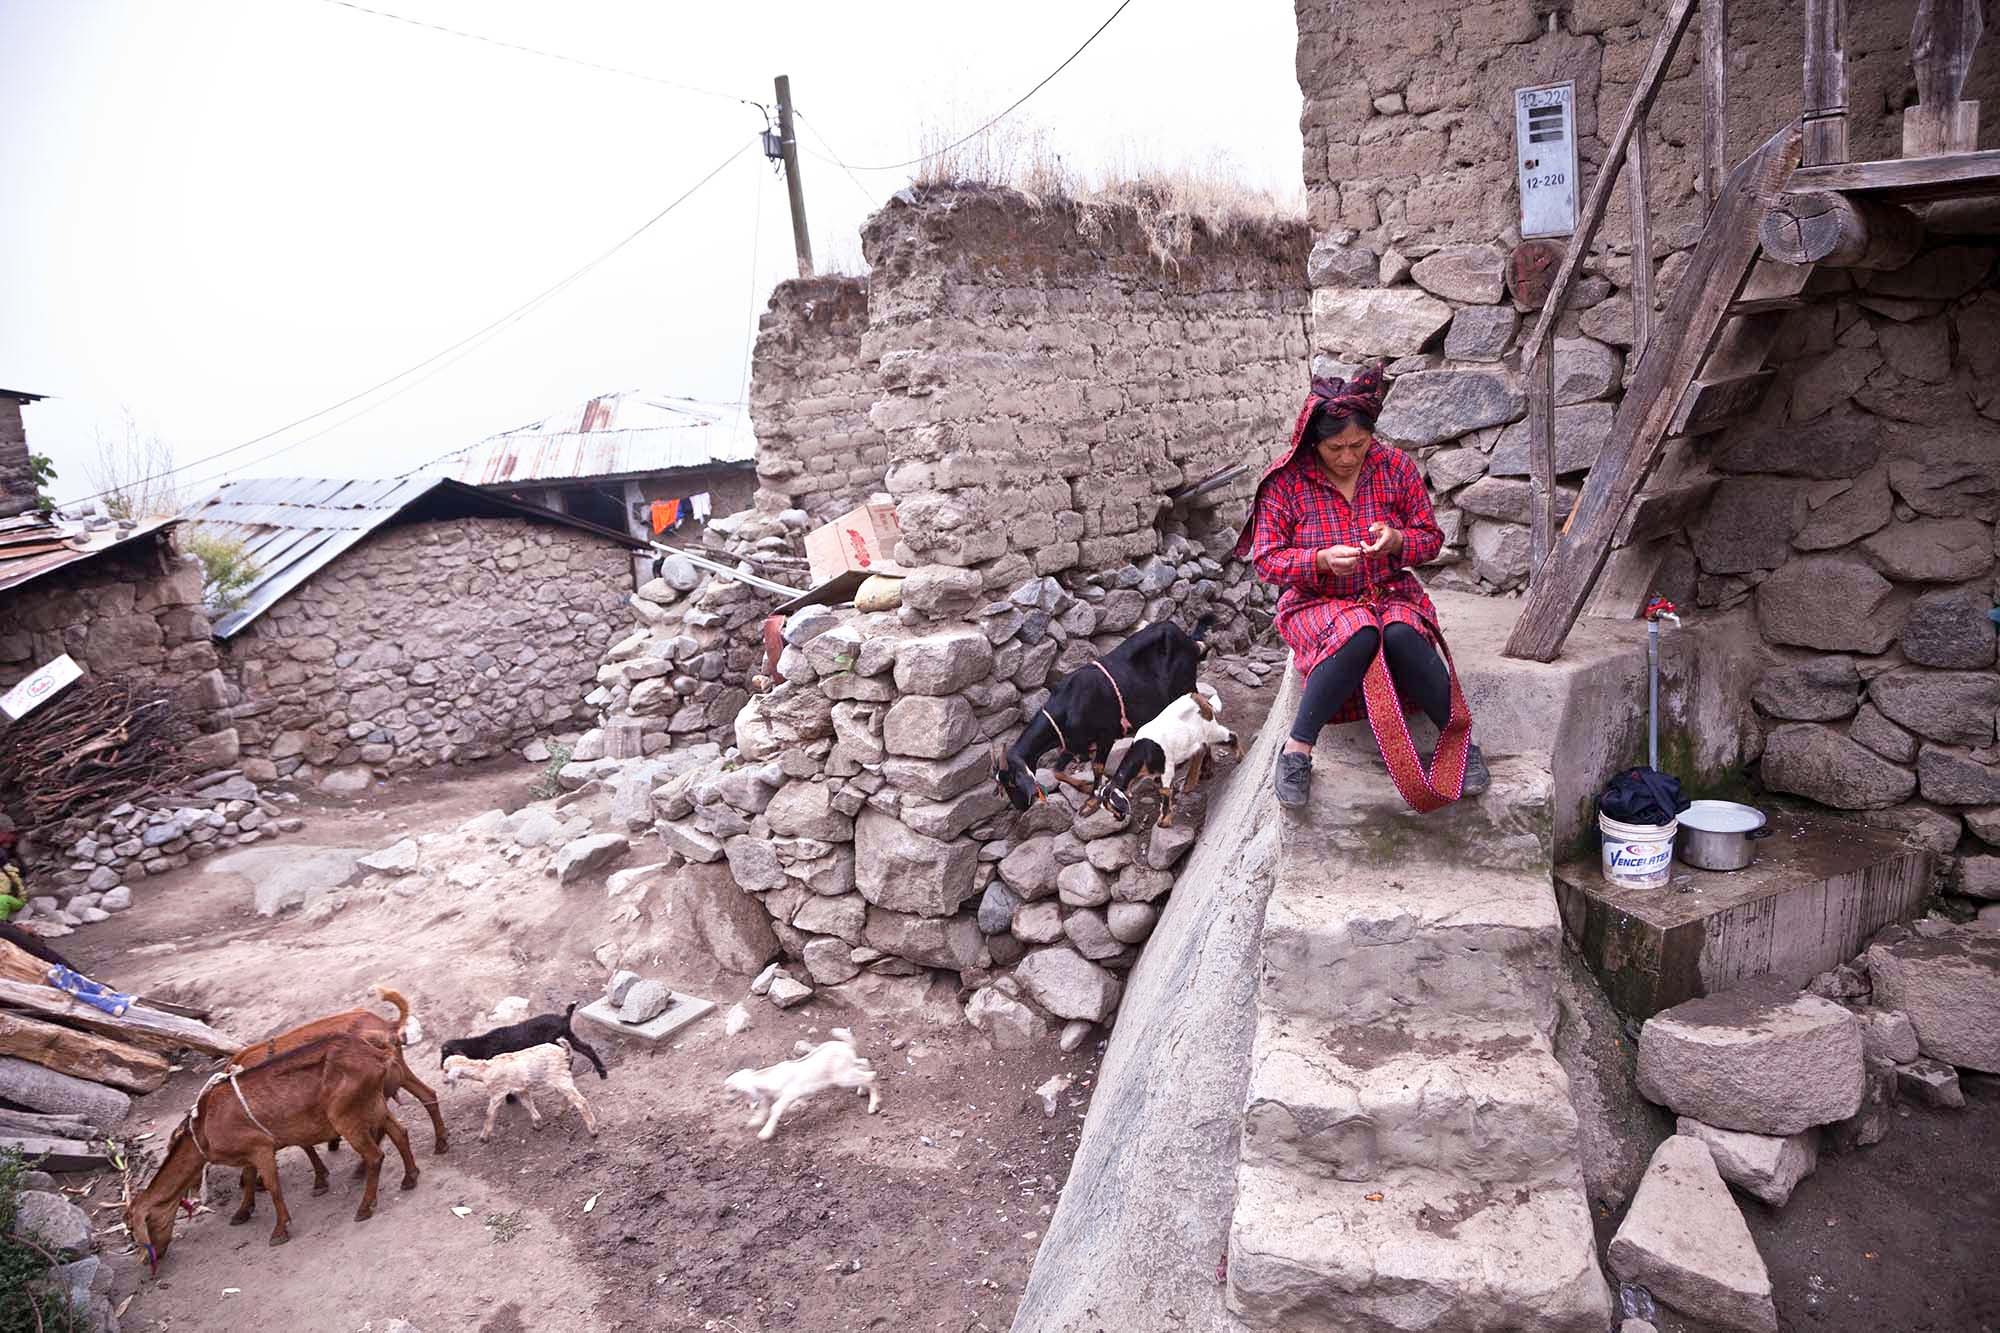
point(1337, 559)
point(1387, 540)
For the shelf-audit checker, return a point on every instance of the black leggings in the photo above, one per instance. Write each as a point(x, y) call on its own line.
point(1414, 665)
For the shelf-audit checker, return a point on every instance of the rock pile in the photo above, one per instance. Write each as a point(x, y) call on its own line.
point(134, 840)
point(857, 805)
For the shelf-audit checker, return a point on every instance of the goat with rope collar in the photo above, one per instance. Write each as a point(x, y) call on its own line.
point(1097, 705)
point(332, 1087)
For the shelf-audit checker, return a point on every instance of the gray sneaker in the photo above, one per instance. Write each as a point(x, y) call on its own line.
point(1477, 776)
point(1295, 778)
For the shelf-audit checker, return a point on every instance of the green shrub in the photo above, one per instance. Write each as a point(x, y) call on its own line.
point(27, 1305)
point(551, 783)
point(226, 570)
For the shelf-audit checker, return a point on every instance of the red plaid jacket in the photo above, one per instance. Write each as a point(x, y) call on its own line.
point(1299, 511)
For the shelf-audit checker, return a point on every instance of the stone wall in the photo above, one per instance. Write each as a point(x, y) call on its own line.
point(429, 642)
point(17, 485)
point(810, 394)
point(1409, 166)
point(1856, 511)
point(135, 610)
point(1047, 377)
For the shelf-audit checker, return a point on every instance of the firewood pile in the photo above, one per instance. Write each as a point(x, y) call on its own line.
point(69, 1070)
point(106, 740)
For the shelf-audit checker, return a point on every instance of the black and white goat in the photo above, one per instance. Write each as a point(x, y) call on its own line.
point(541, 1030)
point(1098, 704)
point(1178, 738)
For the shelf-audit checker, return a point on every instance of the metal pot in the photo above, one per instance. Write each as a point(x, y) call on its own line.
point(1721, 835)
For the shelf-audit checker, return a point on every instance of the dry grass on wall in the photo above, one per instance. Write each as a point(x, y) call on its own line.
point(1171, 201)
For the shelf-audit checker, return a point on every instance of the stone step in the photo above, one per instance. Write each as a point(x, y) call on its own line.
point(1433, 1252)
point(1488, 1105)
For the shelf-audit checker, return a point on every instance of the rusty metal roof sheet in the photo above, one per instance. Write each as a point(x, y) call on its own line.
point(614, 434)
point(293, 527)
point(32, 546)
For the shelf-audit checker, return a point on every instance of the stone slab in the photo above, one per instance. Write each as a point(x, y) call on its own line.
point(1819, 889)
point(681, 1010)
point(1684, 1240)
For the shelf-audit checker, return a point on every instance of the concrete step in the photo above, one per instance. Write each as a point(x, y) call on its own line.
point(1489, 1105)
point(1434, 1252)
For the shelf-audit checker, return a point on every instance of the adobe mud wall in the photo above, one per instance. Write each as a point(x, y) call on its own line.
point(811, 388)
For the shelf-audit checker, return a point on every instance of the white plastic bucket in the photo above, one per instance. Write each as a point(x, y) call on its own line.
point(1637, 856)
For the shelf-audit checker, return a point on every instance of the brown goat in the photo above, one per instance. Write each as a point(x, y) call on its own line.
point(328, 1088)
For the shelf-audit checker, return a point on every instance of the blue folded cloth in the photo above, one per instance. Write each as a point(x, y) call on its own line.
point(71, 982)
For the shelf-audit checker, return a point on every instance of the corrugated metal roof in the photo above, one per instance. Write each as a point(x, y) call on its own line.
point(31, 546)
point(293, 527)
point(614, 434)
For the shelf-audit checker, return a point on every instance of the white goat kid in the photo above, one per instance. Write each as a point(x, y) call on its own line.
point(1180, 735)
point(831, 1064)
point(515, 1073)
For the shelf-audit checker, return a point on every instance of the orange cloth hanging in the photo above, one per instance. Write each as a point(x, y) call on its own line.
point(664, 514)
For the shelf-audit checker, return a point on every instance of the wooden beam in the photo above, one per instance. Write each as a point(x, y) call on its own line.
point(1840, 231)
point(139, 1025)
point(1942, 40)
point(28, 1084)
point(82, 1054)
point(1648, 87)
point(1541, 461)
point(1659, 511)
point(1714, 98)
point(1638, 166)
point(44, 1126)
point(1709, 405)
point(1825, 115)
point(1693, 319)
point(1909, 180)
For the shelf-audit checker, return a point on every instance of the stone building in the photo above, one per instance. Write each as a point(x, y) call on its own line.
point(17, 483)
point(398, 624)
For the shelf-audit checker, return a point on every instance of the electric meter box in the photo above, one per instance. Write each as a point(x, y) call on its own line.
point(1545, 157)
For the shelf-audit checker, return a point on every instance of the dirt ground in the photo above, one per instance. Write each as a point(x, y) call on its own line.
point(924, 1217)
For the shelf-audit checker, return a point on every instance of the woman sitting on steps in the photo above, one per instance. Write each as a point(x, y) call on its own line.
point(1338, 520)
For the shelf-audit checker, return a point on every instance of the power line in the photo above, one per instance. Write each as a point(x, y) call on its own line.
point(479, 335)
point(546, 55)
point(831, 157)
point(750, 333)
point(1011, 107)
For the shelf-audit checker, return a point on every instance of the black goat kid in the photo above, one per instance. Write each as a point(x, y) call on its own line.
point(541, 1030)
point(1099, 703)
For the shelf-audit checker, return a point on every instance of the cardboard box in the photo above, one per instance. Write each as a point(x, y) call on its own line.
point(859, 542)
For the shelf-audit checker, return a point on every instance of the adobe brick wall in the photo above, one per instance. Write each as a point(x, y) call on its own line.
point(811, 389)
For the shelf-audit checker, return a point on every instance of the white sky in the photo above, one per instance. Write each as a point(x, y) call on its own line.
point(222, 215)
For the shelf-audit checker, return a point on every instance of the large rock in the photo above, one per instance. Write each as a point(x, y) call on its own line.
point(1469, 274)
point(754, 863)
point(1835, 513)
point(1431, 406)
point(829, 961)
point(1083, 885)
point(1333, 265)
point(1841, 444)
point(1031, 868)
point(898, 868)
point(1500, 552)
point(1038, 923)
point(396, 860)
point(1819, 689)
point(1822, 765)
point(1481, 333)
point(951, 942)
point(1376, 321)
point(1509, 501)
point(1949, 985)
point(1828, 602)
point(1748, 526)
point(59, 1226)
point(1069, 985)
point(1932, 550)
point(585, 855)
point(281, 878)
point(944, 662)
point(1759, 1059)
point(1764, 1165)
point(701, 916)
point(1950, 628)
point(806, 810)
point(1007, 1023)
point(1978, 876)
point(1090, 934)
point(929, 726)
point(942, 779)
point(1951, 706)
point(1684, 1240)
point(1882, 736)
point(843, 915)
point(791, 715)
point(1586, 370)
point(1950, 778)
point(1580, 432)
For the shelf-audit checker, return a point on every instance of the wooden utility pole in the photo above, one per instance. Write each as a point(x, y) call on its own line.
point(788, 144)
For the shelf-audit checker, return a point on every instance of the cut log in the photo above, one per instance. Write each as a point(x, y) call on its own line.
point(138, 1025)
point(44, 1126)
point(17, 964)
point(1840, 231)
point(30, 1085)
point(1687, 332)
point(46, 1154)
point(81, 1054)
point(1638, 167)
point(1908, 180)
